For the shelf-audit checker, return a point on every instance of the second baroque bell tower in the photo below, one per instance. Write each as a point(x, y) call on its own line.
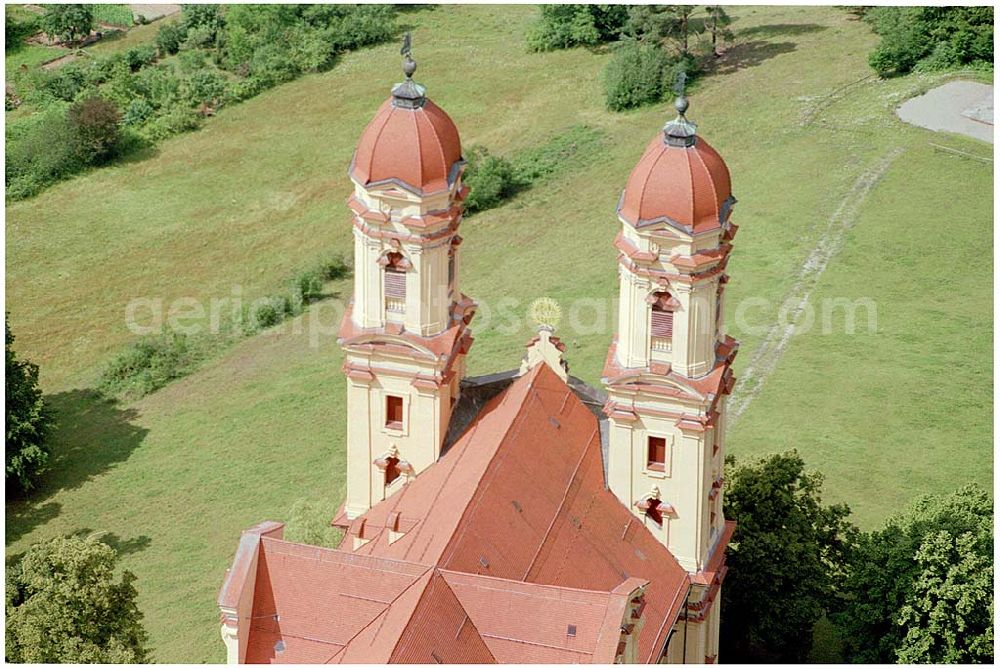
point(405, 335)
point(668, 371)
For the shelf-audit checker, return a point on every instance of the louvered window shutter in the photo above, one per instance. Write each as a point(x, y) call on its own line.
point(395, 284)
point(663, 323)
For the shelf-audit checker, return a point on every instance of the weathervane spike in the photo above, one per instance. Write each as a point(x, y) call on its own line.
point(680, 131)
point(408, 94)
point(409, 65)
point(679, 83)
point(681, 103)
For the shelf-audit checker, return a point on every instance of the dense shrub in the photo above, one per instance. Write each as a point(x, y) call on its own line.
point(150, 363)
point(58, 142)
point(28, 421)
point(63, 83)
point(244, 89)
point(137, 112)
point(140, 56)
point(309, 523)
point(565, 26)
point(635, 75)
point(207, 18)
point(491, 179)
point(159, 85)
point(261, 45)
point(63, 604)
point(351, 27)
point(930, 38)
point(271, 65)
point(96, 124)
point(307, 286)
point(169, 38)
point(333, 268)
point(39, 150)
point(172, 120)
point(266, 312)
point(205, 88)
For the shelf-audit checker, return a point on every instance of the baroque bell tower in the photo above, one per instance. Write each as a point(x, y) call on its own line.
point(668, 371)
point(405, 335)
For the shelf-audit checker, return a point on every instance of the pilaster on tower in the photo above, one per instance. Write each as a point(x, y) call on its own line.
point(405, 334)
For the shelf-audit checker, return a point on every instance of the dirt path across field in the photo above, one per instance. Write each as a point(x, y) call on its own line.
point(965, 107)
point(60, 61)
point(768, 353)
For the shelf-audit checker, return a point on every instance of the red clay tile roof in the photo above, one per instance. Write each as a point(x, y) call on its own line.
point(521, 495)
point(688, 186)
point(507, 539)
point(527, 623)
point(303, 592)
point(418, 149)
point(441, 631)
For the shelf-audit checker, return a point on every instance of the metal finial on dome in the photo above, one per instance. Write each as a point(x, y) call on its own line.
point(679, 83)
point(409, 94)
point(680, 131)
point(409, 65)
point(681, 105)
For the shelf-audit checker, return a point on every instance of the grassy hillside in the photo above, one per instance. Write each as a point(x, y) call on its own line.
point(259, 192)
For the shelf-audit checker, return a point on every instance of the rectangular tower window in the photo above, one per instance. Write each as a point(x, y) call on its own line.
point(395, 289)
point(663, 323)
point(394, 412)
point(661, 328)
point(657, 457)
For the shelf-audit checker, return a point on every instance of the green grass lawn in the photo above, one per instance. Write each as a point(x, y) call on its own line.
point(260, 190)
point(30, 55)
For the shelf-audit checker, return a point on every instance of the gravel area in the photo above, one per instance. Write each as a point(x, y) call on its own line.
point(964, 107)
point(153, 12)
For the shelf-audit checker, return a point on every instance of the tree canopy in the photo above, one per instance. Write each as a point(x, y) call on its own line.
point(930, 38)
point(28, 422)
point(68, 22)
point(785, 558)
point(64, 605)
point(921, 589)
point(566, 26)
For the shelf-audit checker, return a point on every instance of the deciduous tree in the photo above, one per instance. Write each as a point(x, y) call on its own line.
point(28, 422)
point(68, 22)
point(97, 125)
point(921, 588)
point(64, 605)
point(785, 558)
point(718, 26)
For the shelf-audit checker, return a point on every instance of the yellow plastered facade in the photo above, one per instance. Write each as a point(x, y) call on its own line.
point(395, 356)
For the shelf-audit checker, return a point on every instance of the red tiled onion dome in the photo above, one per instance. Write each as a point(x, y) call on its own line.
point(680, 179)
point(411, 142)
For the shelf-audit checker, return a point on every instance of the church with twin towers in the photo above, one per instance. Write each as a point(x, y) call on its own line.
point(522, 516)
